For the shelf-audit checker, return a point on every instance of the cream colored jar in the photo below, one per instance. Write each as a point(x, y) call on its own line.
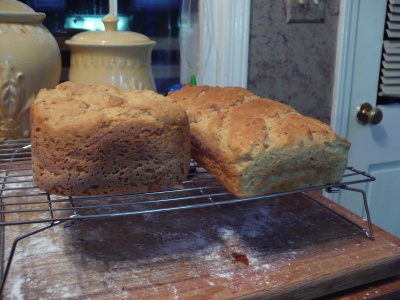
point(119, 58)
point(30, 60)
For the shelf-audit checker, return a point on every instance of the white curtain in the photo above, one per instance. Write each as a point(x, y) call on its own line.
point(214, 41)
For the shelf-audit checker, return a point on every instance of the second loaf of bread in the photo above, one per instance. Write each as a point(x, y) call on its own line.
point(255, 146)
point(96, 139)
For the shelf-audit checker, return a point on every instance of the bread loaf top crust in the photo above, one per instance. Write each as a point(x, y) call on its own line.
point(72, 107)
point(243, 122)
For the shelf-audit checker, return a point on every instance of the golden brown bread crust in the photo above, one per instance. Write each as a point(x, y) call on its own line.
point(255, 146)
point(96, 139)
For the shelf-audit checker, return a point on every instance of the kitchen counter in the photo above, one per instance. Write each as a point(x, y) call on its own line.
point(288, 247)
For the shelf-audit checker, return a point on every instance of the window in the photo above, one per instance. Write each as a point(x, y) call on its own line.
point(214, 42)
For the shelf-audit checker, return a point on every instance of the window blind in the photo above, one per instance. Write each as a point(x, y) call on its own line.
point(389, 82)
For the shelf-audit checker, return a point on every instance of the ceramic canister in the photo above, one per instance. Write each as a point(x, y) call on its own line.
point(30, 60)
point(119, 58)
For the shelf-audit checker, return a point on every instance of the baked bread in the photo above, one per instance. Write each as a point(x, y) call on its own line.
point(95, 139)
point(255, 146)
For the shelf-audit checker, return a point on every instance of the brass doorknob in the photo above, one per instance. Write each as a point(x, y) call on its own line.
point(366, 114)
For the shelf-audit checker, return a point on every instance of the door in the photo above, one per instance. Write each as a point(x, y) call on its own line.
point(375, 148)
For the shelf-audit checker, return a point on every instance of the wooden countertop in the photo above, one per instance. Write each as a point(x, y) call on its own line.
point(287, 247)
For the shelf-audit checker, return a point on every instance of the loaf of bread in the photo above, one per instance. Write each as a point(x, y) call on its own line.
point(255, 146)
point(97, 140)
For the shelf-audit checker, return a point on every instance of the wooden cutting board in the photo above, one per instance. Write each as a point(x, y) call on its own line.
point(280, 248)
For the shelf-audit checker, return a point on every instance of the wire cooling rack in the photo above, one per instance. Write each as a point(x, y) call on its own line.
point(21, 202)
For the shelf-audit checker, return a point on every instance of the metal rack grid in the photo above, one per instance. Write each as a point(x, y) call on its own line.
point(21, 202)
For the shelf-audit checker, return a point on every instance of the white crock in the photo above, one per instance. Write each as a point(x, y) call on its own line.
point(30, 60)
point(119, 58)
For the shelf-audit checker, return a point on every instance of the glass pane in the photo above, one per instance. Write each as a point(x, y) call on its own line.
point(158, 19)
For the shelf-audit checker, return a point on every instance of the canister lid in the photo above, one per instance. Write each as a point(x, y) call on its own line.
point(110, 36)
point(18, 12)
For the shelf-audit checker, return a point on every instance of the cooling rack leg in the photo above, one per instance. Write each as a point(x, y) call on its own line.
point(13, 248)
point(370, 233)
